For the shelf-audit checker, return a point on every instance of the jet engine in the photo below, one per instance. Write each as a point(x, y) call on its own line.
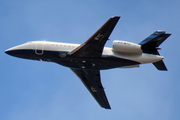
point(126, 47)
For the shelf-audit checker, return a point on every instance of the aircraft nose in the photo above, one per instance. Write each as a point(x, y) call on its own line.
point(12, 51)
point(16, 51)
point(9, 52)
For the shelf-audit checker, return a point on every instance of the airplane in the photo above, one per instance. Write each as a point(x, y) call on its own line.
point(87, 59)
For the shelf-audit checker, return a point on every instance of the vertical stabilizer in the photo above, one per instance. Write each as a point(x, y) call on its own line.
point(151, 45)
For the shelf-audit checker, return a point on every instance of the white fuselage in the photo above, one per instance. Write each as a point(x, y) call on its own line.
point(87, 59)
point(40, 46)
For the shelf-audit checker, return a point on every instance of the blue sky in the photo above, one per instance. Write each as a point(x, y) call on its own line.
point(33, 90)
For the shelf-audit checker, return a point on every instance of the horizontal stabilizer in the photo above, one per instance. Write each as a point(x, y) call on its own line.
point(160, 65)
point(151, 44)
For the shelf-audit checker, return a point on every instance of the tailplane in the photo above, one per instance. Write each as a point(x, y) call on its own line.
point(160, 65)
point(151, 45)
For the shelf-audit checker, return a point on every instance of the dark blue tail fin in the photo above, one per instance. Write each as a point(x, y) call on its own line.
point(151, 44)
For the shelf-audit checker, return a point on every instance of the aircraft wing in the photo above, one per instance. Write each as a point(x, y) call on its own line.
point(91, 79)
point(93, 47)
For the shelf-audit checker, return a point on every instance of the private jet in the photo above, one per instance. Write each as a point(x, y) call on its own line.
point(87, 59)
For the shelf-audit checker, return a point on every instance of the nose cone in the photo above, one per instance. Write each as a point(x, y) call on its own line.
point(10, 51)
point(14, 51)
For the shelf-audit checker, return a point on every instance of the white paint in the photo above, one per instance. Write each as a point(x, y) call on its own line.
point(126, 47)
point(68, 47)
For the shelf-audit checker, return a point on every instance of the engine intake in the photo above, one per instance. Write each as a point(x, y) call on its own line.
point(126, 47)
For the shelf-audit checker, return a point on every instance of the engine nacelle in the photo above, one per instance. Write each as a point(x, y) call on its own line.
point(126, 47)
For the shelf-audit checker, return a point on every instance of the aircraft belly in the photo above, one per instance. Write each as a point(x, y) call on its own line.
point(105, 62)
point(63, 58)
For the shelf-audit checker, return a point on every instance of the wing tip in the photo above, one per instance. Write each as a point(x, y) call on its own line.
point(115, 16)
point(107, 108)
